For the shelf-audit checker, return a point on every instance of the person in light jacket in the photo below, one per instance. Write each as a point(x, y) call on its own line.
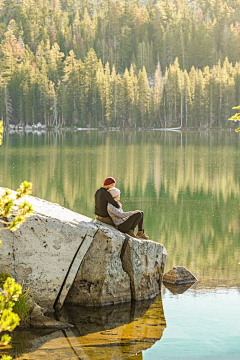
point(126, 221)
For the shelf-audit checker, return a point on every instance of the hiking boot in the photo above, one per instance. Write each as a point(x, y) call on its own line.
point(141, 235)
point(131, 233)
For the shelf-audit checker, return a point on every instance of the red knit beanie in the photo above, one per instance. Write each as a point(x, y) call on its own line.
point(109, 181)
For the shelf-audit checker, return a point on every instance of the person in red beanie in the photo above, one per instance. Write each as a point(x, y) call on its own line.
point(109, 182)
point(102, 198)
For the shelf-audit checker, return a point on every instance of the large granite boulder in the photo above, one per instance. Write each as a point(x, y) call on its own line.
point(43, 251)
point(144, 262)
point(63, 256)
point(101, 279)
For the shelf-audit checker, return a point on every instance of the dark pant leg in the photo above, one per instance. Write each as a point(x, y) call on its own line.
point(140, 224)
point(130, 223)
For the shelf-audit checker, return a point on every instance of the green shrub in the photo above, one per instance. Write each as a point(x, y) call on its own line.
point(22, 307)
point(3, 277)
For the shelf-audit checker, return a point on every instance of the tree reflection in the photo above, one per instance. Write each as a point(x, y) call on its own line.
point(187, 185)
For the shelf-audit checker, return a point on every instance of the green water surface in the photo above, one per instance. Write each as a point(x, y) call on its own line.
point(187, 184)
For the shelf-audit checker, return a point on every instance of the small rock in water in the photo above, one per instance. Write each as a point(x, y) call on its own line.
point(179, 275)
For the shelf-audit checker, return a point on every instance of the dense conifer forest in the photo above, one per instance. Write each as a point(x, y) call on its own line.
point(147, 64)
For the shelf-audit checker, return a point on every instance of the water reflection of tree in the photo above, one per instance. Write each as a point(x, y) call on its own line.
point(189, 188)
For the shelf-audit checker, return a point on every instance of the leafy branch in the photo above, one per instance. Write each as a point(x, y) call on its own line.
point(8, 319)
point(236, 117)
point(7, 207)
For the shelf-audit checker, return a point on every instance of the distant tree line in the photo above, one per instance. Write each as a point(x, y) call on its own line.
point(119, 63)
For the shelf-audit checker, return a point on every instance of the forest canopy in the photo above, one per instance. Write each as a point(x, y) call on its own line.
point(119, 63)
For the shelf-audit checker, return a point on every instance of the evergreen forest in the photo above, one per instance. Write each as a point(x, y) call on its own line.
point(120, 63)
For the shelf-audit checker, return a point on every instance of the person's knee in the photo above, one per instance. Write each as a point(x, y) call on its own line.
point(139, 215)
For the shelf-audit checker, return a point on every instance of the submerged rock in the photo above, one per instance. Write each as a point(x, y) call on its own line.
point(179, 275)
point(63, 256)
point(38, 320)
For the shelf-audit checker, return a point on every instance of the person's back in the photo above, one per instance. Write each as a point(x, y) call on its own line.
point(102, 198)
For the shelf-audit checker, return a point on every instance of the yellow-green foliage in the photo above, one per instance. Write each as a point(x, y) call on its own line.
point(3, 277)
point(23, 304)
point(11, 292)
point(8, 319)
point(236, 117)
point(22, 307)
point(23, 211)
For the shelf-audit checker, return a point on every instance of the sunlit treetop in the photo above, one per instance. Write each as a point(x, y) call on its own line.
point(236, 117)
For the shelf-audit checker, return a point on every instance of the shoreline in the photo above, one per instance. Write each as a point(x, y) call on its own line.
point(56, 129)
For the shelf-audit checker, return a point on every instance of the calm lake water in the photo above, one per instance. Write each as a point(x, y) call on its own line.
point(188, 185)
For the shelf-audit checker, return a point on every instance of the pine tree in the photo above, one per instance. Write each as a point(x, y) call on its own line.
point(143, 97)
point(114, 98)
point(71, 79)
point(101, 90)
point(8, 105)
point(187, 96)
point(158, 92)
point(108, 94)
point(55, 63)
point(90, 87)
